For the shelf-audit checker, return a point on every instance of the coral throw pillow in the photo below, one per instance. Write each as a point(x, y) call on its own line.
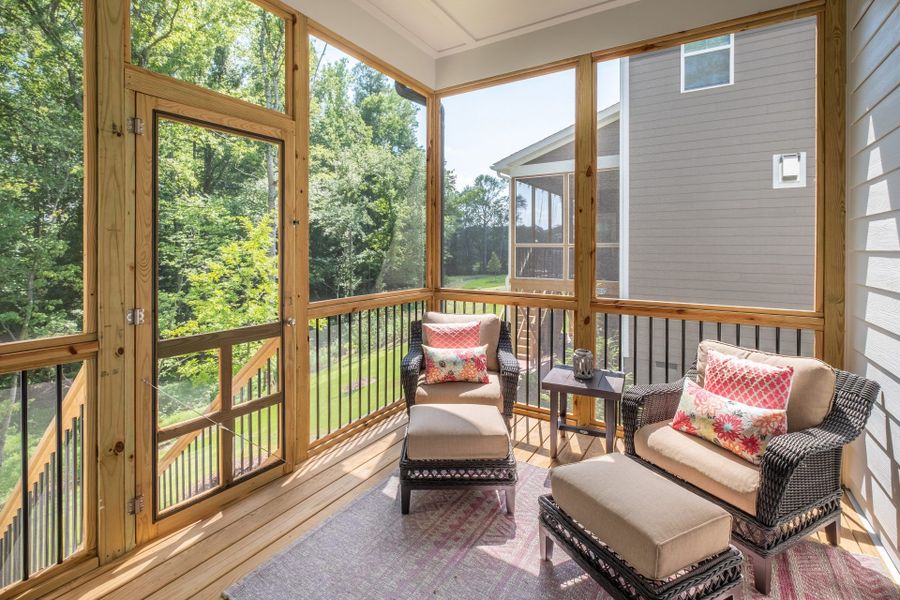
point(456, 364)
point(453, 335)
point(740, 428)
point(747, 381)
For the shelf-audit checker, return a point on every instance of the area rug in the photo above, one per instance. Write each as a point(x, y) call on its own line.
point(464, 545)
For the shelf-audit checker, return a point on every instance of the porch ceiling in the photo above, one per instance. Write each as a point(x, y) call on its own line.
point(442, 27)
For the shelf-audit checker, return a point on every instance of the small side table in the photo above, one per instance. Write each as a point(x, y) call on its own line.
point(561, 382)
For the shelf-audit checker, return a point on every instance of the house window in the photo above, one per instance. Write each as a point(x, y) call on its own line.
point(707, 63)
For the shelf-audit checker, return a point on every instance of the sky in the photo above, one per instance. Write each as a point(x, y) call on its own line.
point(483, 126)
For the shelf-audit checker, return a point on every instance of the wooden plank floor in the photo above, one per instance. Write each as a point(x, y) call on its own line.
point(201, 560)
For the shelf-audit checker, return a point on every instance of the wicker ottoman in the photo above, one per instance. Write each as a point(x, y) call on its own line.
point(456, 446)
point(638, 534)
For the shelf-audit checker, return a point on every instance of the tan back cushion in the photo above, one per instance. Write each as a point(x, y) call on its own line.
point(812, 387)
point(490, 331)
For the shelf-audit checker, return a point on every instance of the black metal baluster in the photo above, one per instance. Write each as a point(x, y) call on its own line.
point(606, 340)
point(23, 432)
point(377, 354)
point(318, 385)
point(58, 465)
point(540, 355)
point(778, 340)
point(719, 331)
point(394, 358)
point(737, 334)
point(369, 361)
point(666, 361)
point(328, 355)
point(565, 336)
point(650, 350)
point(66, 490)
point(359, 373)
point(350, 369)
point(80, 505)
point(635, 327)
point(619, 337)
point(552, 336)
point(757, 336)
point(340, 374)
point(203, 466)
point(799, 348)
point(527, 355)
point(683, 366)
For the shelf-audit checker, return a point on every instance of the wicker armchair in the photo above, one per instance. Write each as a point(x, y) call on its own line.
point(455, 473)
point(413, 363)
point(800, 475)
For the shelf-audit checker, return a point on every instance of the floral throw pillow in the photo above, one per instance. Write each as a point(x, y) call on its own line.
point(748, 381)
point(740, 428)
point(453, 335)
point(456, 364)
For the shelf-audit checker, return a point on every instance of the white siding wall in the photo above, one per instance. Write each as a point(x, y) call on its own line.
point(872, 468)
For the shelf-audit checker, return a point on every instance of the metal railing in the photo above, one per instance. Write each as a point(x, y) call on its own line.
point(648, 349)
point(42, 518)
point(355, 363)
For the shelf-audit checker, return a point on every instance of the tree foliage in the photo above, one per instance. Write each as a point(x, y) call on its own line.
point(367, 182)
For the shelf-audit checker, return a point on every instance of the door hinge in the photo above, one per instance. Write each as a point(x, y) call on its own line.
point(136, 505)
point(136, 125)
point(135, 316)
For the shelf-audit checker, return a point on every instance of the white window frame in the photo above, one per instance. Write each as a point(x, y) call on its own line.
point(730, 46)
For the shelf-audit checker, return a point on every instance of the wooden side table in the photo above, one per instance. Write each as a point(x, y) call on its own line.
point(561, 382)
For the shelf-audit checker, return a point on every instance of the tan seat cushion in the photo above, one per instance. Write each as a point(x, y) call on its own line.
point(490, 331)
point(456, 431)
point(656, 525)
point(812, 387)
point(461, 392)
point(709, 467)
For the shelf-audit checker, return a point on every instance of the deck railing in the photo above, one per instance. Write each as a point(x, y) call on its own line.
point(354, 363)
point(41, 522)
point(648, 348)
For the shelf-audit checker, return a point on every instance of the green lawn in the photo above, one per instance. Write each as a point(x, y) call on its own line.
point(476, 282)
point(361, 390)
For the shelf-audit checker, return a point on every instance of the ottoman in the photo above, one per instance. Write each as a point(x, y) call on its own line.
point(454, 446)
point(638, 534)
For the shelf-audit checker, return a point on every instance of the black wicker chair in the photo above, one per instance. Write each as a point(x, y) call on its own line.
point(800, 487)
point(413, 363)
point(444, 474)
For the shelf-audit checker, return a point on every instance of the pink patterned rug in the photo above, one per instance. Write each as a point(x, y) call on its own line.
point(463, 545)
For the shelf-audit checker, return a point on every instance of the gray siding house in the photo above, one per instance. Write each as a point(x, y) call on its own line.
point(707, 189)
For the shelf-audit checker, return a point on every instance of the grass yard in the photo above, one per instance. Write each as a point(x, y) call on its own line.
point(476, 282)
point(353, 390)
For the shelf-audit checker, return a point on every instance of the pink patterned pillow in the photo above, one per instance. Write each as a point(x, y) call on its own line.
point(742, 429)
point(453, 335)
point(748, 381)
point(443, 365)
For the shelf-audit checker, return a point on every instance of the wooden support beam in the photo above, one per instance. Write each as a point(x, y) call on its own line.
point(832, 65)
point(434, 200)
point(297, 399)
point(115, 253)
point(585, 209)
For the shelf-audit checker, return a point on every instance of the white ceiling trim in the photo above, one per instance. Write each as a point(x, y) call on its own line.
point(471, 40)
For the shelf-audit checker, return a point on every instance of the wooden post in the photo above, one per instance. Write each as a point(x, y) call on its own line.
point(298, 401)
point(434, 168)
point(226, 437)
point(115, 291)
point(832, 57)
point(585, 208)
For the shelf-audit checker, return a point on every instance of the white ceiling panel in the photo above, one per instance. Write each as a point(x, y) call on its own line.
point(442, 27)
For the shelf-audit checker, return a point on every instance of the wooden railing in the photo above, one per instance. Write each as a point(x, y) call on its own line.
point(43, 525)
point(189, 466)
